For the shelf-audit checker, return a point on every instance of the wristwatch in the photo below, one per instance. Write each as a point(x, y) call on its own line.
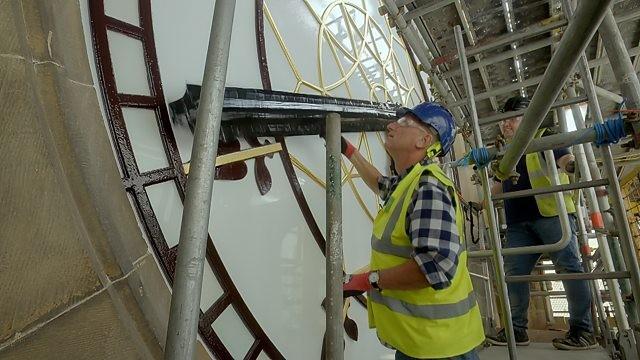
point(374, 278)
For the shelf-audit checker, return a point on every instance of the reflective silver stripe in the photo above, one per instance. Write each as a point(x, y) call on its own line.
point(390, 249)
point(384, 245)
point(395, 216)
point(430, 311)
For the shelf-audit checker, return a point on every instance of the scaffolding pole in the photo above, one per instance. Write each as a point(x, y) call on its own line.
point(493, 229)
point(420, 50)
point(551, 142)
point(575, 39)
point(615, 252)
point(597, 310)
point(563, 216)
point(620, 61)
point(616, 51)
point(596, 218)
point(551, 189)
point(608, 260)
point(490, 120)
point(187, 287)
point(334, 278)
point(569, 276)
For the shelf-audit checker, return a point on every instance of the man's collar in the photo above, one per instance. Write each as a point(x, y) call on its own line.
point(424, 162)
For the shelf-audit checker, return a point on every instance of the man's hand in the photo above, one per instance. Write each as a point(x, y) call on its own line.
point(476, 206)
point(570, 167)
point(346, 147)
point(356, 285)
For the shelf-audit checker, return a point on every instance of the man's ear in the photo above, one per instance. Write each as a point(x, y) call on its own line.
point(423, 141)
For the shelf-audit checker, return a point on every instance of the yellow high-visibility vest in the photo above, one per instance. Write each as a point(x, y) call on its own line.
point(422, 323)
point(537, 170)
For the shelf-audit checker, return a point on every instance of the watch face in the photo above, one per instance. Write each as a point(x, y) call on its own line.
point(374, 277)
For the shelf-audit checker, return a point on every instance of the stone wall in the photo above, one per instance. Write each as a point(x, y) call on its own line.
point(77, 276)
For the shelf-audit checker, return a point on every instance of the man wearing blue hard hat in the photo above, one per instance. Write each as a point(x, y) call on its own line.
point(419, 293)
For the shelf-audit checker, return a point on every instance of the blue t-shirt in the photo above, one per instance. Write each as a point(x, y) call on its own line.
point(524, 208)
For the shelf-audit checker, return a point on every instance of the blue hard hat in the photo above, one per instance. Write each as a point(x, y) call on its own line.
point(436, 115)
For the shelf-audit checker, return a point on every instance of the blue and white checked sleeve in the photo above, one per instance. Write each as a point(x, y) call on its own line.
point(386, 185)
point(434, 234)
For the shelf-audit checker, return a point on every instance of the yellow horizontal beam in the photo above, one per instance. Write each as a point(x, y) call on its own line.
point(242, 155)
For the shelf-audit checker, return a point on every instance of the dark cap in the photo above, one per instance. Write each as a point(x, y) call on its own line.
point(515, 103)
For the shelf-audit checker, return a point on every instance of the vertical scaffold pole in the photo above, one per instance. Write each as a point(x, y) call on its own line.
point(619, 214)
point(335, 335)
point(187, 286)
point(575, 39)
point(612, 252)
point(486, 188)
point(620, 61)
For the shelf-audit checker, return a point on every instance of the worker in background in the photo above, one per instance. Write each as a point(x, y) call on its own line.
point(533, 220)
point(420, 298)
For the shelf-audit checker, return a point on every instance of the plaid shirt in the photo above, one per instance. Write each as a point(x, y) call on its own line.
point(431, 225)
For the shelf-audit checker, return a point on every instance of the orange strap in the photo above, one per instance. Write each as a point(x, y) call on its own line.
point(585, 249)
point(596, 220)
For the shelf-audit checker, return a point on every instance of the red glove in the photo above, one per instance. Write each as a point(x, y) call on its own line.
point(356, 285)
point(347, 148)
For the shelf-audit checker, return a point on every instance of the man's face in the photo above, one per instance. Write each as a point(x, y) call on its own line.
point(509, 127)
point(405, 134)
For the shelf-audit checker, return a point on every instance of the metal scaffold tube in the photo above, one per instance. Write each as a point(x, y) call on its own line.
point(615, 256)
point(493, 226)
point(614, 252)
point(563, 217)
point(602, 325)
point(573, 42)
point(581, 160)
point(550, 189)
point(419, 49)
point(620, 61)
point(187, 286)
point(611, 33)
point(334, 278)
point(490, 120)
point(595, 215)
point(569, 276)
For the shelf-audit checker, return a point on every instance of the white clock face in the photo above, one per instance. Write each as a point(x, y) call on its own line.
point(332, 48)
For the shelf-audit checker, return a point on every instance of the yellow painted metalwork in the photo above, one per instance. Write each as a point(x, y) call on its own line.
point(280, 40)
point(297, 163)
point(241, 155)
point(354, 55)
point(364, 46)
